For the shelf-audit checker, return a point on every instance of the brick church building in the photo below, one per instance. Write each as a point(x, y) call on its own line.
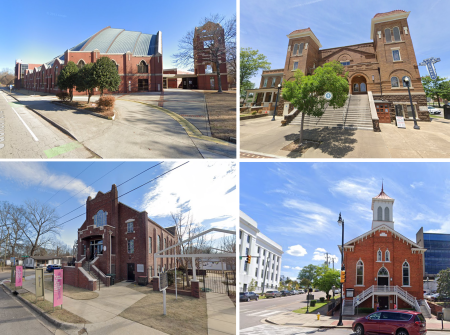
point(376, 68)
point(117, 239)
point(382, 266)
point(138, 58)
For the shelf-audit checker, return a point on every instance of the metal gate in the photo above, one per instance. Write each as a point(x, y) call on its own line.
point(219, 281)
point(231, 283)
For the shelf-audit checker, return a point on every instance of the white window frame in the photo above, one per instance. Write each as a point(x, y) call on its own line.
point(409, 274)
point(150, 251)
point(130, 246)
point(398, 82)
point(399, 35)
point(130, 225)
point(295, 67)
point(295, 51)
point(387, 256)
point(399, 55)
point(379, 213)
point(265, 82)
point(273, 81)
point(379, 255)
point(301, 48)
point(388, 212)
point(357, 265)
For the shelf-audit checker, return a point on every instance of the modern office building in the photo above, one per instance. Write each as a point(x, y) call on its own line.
point(265, 265)
point(437, 256)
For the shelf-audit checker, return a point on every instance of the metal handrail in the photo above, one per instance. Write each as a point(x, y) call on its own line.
point(381, 289)
point(345, 113)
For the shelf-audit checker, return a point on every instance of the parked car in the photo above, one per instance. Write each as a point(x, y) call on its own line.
point(247, 296)
point(337, 291)
point(316, 290)
point(433, 110)
point(294, 292)
point(52, 267)
point(273, 294)
point(434, 297)
point(301, 291)
point(399, 322)
point(285, 293)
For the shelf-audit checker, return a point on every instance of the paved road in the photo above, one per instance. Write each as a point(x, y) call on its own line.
point(23, 134)
point(16, 319)
point(267, 329)
point(251, 313)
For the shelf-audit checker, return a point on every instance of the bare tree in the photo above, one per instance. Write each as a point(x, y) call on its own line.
point(228, 244)
point(6, 76)
point(212, 46)
point(42, 224)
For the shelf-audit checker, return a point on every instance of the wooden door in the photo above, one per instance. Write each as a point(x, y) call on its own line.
point(130, 271)
point(383, 113)
point(384, 302)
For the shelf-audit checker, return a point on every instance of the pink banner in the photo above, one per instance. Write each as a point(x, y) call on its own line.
point(19, 274)
point(57, 287)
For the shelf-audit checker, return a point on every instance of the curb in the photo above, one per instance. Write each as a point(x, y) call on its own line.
point(59, 324)
point(86, 111)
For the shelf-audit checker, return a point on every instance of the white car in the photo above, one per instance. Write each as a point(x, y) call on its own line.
point(433, 110)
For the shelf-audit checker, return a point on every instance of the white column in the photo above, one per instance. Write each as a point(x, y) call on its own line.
point(264, 98)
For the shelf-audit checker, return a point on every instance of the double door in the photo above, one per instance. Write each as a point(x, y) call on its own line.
point(383, 113)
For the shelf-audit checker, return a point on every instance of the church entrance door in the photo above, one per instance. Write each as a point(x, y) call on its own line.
point(384, 302)
point(359, 85)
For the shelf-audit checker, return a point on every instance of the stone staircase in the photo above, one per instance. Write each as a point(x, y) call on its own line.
point(355, 114)
point(425, 308)
point(86, 266)
point(348, 308)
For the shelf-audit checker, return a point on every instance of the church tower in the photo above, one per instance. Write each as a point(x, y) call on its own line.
point(382, 208)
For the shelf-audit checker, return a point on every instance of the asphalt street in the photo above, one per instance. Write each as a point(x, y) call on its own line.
point(23, 134)
point(17, 319)
point(253, 312)
point(267, 329)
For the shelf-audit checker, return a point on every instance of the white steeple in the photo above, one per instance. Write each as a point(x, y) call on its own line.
point(382, 208)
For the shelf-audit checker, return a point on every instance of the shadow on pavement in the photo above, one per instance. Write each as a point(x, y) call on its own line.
point(336, 143)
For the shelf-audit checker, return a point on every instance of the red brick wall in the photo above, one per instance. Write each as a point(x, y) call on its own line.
point(70, 275)
point(366, 250)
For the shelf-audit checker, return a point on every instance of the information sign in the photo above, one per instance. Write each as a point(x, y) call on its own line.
point(140, 268)
point(400, 122)
point(39, 275)
point(19, 274)
point(163, 281)
point(57, 287)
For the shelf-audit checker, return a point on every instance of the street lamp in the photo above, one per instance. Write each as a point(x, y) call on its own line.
point(341, 223)
point(276, 102)
point(334, 301)
point(407, 82)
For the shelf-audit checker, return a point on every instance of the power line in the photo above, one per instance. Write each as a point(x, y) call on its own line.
point(151, 167)
point(134, 189)
point(68, 183)
point(91, 184)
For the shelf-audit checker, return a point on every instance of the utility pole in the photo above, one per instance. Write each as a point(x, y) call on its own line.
point(333, 263)
point(328, 264)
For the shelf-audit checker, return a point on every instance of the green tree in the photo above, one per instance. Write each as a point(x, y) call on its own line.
point(306, 93)
point(105, 75)
point(444, 283)
point(251, 62)
point(85, 80)
point(246, 85)
point(326, 279)
point(308, 272)
point(305, 282)
point(252, 285)
point(435, 89)
point(68, 77)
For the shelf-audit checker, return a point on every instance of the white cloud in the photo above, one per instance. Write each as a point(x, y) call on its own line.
point(307, 3)
point(286, 266)
point(36, 174)
point(416, 184)
point(296, 250)
point(355, 188)
point(297, 268)
point(207, 190)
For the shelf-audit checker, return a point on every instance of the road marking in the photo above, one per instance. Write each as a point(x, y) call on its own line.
point(264, 313)
point(56, 151)
point(26, 126)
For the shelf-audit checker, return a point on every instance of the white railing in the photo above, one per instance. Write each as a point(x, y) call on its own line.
point(427, 306)
point(385, 289)
point(416, 306)
point(363, 296)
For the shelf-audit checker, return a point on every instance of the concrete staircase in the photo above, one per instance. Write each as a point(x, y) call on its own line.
point(355, 114)
point(348, 308)
point(425, 309)
point(86, 266)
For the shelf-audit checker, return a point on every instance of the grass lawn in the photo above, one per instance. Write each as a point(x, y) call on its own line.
point(73, 292)
point(186, 315)
point(311, 309)
point(47, 307)
point(222, 113)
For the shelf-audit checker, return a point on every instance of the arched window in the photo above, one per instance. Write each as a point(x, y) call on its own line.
point(387, 217)
point(379, 256)
point(355, 87)
point(387, 256)
point(405, 272)
point(81, 63)
point(100, 218)
point(142, 67)
point(302, 45)
point(387, 33)
point(360, 273)
point(165, 245)
point(379, 214)
point(363, 87)
point(404, 83)
point(396, 34)
point(295, 49)
point(150, 245)
point(394, 82)
point(158, 244)
point(383, 272)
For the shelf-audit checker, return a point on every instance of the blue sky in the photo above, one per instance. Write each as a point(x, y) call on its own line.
point(265, 24)
point(207, 189)
point(37, 31)
point(298, 204)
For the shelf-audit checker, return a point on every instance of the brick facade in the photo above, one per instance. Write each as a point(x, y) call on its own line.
point(370, 66)
point(114, 237)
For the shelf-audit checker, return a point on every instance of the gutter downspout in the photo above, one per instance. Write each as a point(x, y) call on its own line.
point(381, 88)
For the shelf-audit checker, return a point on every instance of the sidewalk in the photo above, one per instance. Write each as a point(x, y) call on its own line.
point(102, 311)
point(310, 320)
point(261, 136)
point(221, 314)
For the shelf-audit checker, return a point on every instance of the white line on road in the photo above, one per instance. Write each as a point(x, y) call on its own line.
point(263, 313)
point(32, 134)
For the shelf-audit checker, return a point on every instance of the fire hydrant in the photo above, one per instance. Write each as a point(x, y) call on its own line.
point(318, 316)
